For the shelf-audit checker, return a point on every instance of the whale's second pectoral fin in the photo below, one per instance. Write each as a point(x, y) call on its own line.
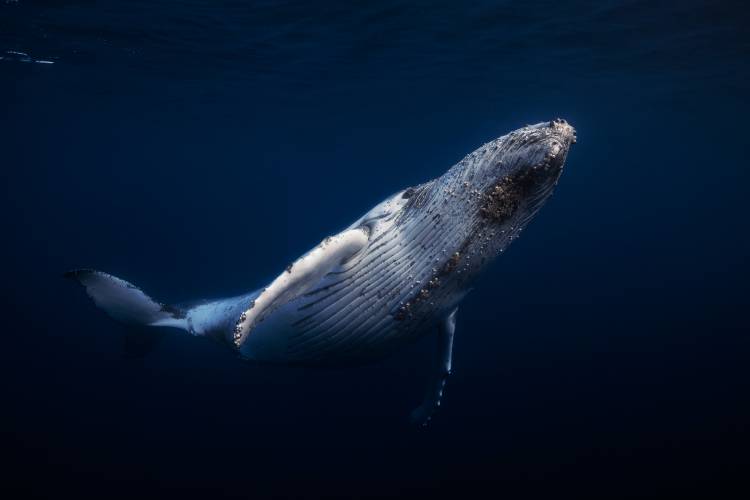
point(423, 414)
point(299, 277)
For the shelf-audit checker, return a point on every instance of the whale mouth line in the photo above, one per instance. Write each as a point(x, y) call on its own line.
point(554, 161)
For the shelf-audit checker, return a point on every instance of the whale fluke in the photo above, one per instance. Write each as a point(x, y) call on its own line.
point(126, 302)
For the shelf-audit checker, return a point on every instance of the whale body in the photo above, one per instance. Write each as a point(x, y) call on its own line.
point(397, 273)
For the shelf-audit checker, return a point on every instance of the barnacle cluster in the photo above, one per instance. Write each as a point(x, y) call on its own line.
point(502, 199)
point(424, 293)
point(237, 332)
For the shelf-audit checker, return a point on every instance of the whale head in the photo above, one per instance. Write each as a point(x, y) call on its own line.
point(496, 190)
point(515, 174)
point(518, 171)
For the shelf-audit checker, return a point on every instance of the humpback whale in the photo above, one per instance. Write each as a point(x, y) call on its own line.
point(397, 273)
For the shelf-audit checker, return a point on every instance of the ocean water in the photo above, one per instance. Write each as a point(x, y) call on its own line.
point(195, 148)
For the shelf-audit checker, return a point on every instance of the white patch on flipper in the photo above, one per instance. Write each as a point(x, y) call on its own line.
point(300, 277)
point(423, 414)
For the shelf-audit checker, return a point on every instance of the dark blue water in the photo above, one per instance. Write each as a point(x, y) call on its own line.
point(195, 148)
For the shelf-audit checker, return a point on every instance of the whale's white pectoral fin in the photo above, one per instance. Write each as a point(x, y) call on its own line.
point(423, 414)
point(299, 277)
point(126, 302)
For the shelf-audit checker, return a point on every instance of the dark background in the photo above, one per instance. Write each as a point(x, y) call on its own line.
point(196, 147)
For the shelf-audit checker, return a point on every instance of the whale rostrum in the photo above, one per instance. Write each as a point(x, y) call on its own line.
point(397, 273)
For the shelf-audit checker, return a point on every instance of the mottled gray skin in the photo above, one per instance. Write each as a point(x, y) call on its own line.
point(416, 256)
point(426, 247)
point(397, 273)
